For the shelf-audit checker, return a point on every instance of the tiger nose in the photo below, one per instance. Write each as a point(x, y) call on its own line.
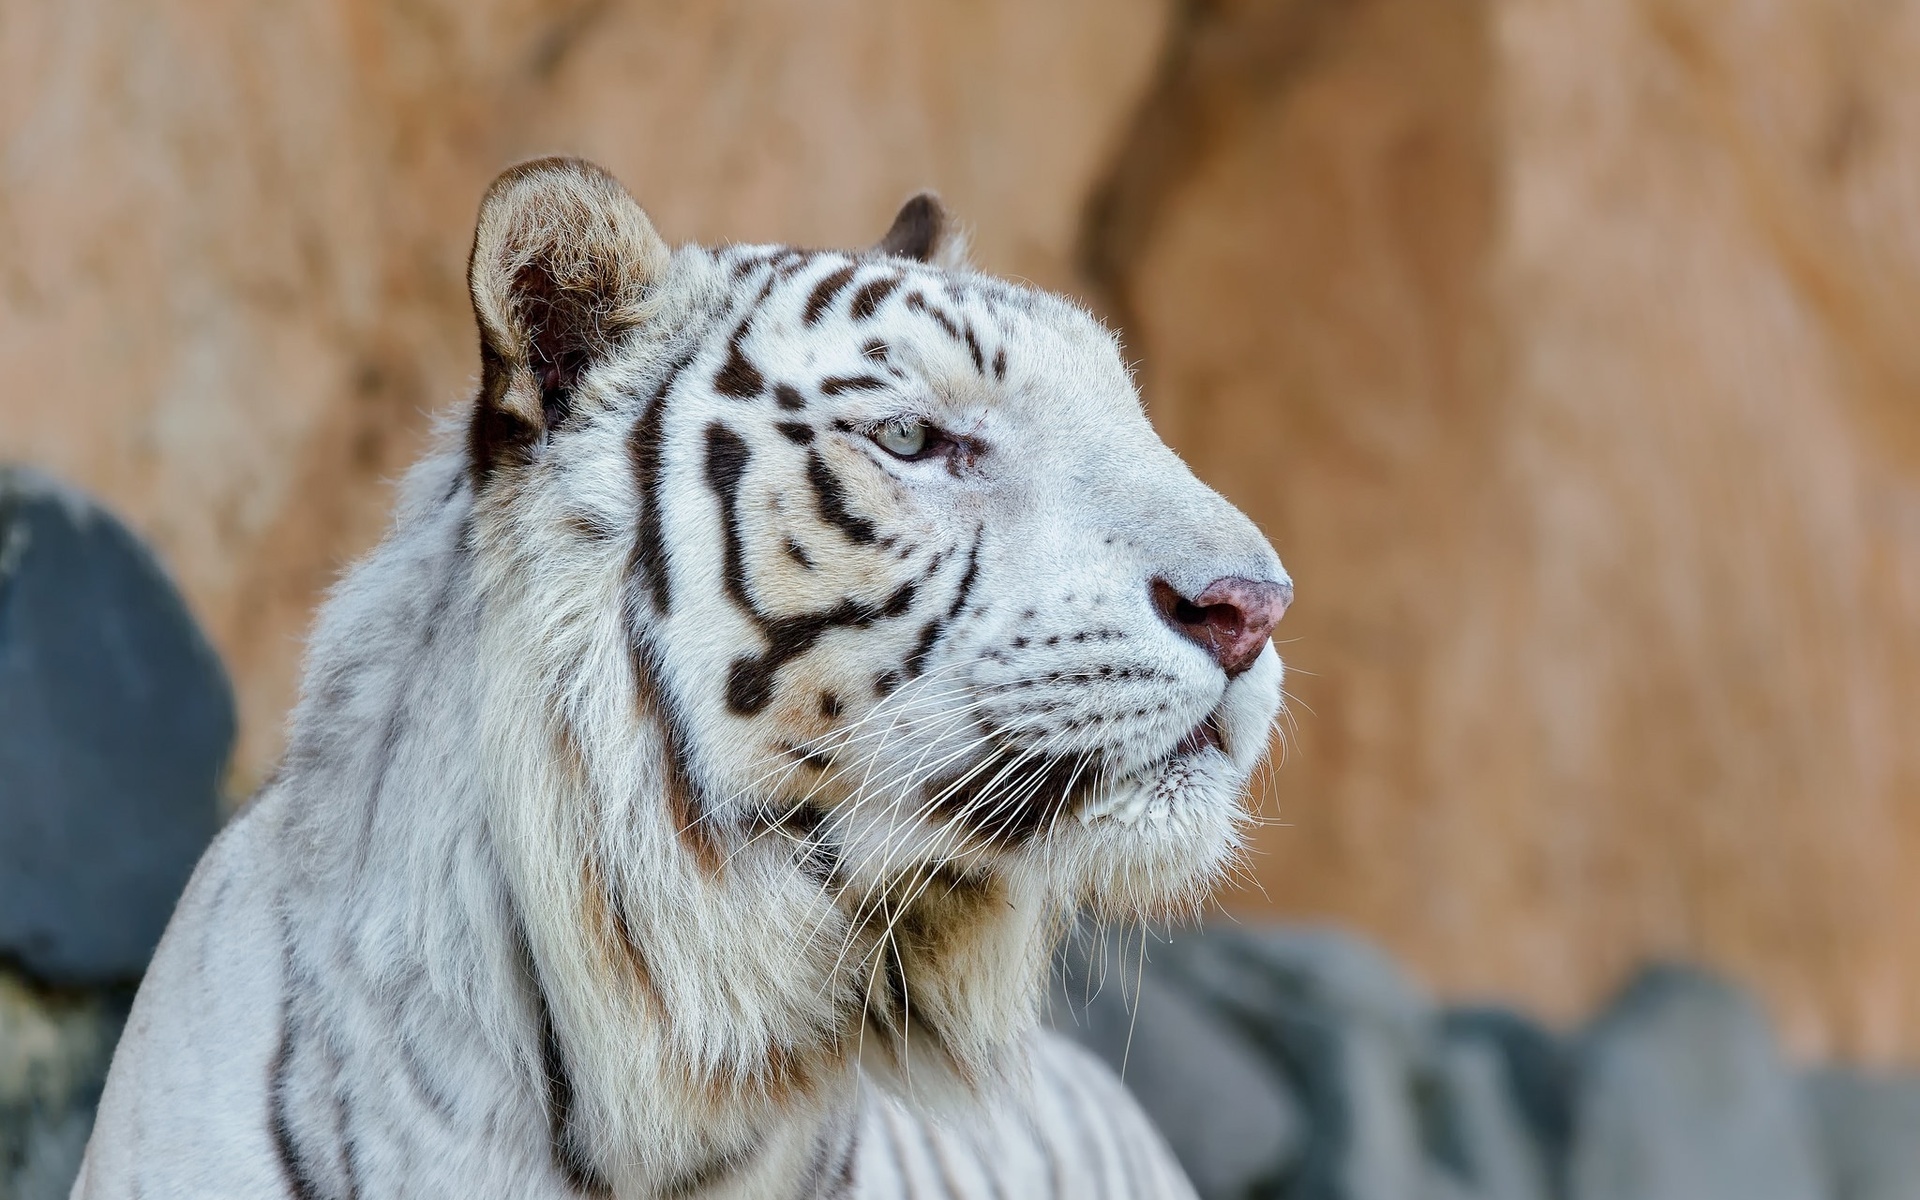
point(1230, 618)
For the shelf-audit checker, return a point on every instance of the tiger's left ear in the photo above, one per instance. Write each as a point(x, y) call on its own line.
point(924, 231)
point(564, 266)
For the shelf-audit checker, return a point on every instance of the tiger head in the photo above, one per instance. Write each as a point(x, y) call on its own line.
point(921, 619)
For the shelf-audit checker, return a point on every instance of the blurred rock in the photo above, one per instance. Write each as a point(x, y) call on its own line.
point(1348, 1033)
point(1682, 1095)
point(115, 722)
point(1224, 1110)
point(1485, 1132)
point(1869, 1128)
point(1565, 352)
point(1534, 1075)
point(54, 1050)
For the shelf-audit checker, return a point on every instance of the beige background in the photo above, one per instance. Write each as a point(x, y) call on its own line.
point(1569, 350)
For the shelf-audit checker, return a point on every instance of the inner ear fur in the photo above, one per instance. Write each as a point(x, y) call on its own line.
point(924, 231)
point(563, 267)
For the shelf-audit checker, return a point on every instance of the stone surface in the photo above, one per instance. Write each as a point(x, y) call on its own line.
point(1564, 351)
point(1869, 1127)
point(1563, 348)
point(1489, 1144)
point(1351, 1038)
point(115, 722)
point(1534, 1077)
point(1682, 1095)
point(1221, 1105)
point(54, 1049)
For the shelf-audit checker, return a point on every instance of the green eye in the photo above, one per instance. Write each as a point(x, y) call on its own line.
point(906, 439)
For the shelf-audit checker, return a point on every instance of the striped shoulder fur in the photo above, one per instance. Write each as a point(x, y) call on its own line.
point(685, 798)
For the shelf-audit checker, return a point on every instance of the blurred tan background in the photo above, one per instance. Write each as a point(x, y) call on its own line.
point(1568, 350)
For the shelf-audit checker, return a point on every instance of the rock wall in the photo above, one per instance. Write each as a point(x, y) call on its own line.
point(1560, 348)
point(1560, 345)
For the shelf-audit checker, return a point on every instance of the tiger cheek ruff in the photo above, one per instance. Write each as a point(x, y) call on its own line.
point(686, 796)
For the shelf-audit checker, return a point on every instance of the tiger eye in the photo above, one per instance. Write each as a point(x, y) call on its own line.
point(902, 438)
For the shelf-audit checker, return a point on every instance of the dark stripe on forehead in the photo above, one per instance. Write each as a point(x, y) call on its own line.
point(973, 348)
point(824, 294)
point(788, 397)
point(645, 448)
point(726, 464)
point(834, 385)
point(918, 303)
point(1000, 363)
point(795, 431)
point(738, 377)
point(866, 301)
point(830, 498)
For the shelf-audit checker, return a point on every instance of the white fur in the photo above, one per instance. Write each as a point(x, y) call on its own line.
point(470, 862)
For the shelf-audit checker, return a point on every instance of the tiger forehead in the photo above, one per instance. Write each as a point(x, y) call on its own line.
point(866, 313)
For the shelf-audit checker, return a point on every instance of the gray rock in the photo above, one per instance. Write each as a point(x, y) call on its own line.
point(1354, 1041)
point(115, 722)
point(1535, 1073)
point(1226, 1114)
point(54, 1050)
point(1494, 1147)
point(1869, 1129)
point(1682, 1095)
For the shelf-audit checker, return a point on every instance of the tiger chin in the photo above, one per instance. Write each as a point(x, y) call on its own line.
point(687, 795)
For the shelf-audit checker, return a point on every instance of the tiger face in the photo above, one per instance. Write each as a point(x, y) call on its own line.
point(908, 579)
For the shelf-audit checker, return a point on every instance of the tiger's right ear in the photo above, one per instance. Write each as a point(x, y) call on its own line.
point(564, 266)
point(925, 231)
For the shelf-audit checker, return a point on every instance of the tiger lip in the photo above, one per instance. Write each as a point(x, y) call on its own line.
point(1200, 737)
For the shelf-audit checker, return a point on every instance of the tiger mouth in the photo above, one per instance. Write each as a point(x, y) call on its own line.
point(1199, 738)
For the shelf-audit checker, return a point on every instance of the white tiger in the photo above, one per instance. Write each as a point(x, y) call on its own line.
point(686, 797)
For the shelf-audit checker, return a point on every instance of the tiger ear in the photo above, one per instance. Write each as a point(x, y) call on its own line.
point(924, 231)
point(564, 266)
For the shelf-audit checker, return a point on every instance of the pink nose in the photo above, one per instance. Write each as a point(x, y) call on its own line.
point(1230, 619)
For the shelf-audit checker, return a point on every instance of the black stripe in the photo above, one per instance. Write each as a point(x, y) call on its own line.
point(686, 803)
point(727, 456)
point(1000, 363)
point(738, 377)
point(795, 431)
point(930, 632)
point(973, 348)
point(646, 446)
point(923, 646)
point(833, 385)
point(968, 578)
point(568, 1159)
point(867, 300)
point(846, 1177)
point(830, 497)
point(824, 293)
point(788, 397)
point(918, 303)
point(939, 1159)
point(293, 1165)
point(1016, 795)
point(1075, 1113)
point(705, 1175)
point(750, 679)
